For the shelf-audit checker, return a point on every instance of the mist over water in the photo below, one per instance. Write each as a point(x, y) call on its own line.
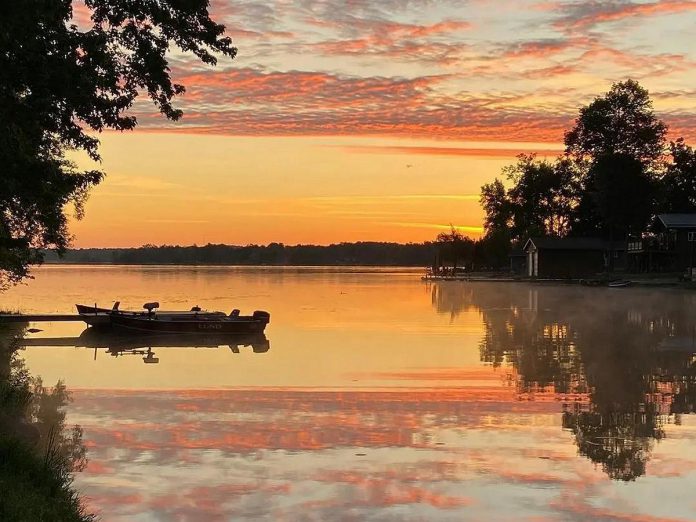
point(380, 397)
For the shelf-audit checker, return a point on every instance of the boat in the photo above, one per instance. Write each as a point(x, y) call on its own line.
point(180, 322)
point(95, 316)
point(216, 322)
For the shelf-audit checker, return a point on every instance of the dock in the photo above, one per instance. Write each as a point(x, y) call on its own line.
point(36, 318)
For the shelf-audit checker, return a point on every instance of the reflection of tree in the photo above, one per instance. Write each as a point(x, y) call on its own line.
point(624, 417)
point(38, 453)
point(631, 355)
point(450, 299)
point(620, 442)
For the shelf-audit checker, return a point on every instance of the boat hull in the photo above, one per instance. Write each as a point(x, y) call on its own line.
point(93, 315)
point(237, 326)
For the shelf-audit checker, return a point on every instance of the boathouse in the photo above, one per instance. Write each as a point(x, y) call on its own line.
point(571, 257)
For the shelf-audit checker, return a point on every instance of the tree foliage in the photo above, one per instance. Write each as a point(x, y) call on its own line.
point(539, 201)
point(622, 193)
point(610, 183)
point(365, 253)
point(496, 206)
point(60, 84)
point(679, 181)
point(454, 246)
point(622, 121)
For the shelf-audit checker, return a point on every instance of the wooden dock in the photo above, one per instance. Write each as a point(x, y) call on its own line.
point(36, 318)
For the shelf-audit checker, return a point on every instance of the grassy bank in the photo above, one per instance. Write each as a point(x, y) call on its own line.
point(38, 455)
point(35, 489)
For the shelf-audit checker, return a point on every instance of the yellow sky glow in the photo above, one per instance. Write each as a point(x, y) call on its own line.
point(184, 189)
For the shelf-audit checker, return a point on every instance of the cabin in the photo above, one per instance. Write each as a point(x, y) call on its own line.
point(572, 257)
point(670, 249)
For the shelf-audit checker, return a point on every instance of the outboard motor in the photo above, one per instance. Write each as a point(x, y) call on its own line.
point(260, 315)
point(150, 308)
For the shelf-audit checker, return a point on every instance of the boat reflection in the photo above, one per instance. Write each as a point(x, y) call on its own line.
point(119, 344)
point(621, 363)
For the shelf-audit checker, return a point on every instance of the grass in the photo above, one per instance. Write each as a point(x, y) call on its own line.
point(34, 489)
point(35, 477)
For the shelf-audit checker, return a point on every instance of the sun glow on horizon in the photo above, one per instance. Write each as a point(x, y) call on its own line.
point(191, 189)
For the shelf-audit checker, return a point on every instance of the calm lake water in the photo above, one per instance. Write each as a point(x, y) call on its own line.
point(379, 397)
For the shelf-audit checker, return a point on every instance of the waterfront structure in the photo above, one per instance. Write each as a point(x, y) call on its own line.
point(572, 257)
point(670, 248)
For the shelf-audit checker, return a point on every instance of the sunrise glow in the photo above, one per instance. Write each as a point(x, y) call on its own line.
point(374, 121)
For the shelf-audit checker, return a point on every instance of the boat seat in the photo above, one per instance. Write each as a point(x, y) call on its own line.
point(234, 313)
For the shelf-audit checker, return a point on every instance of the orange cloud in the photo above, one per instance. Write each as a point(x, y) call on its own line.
point(455, 151)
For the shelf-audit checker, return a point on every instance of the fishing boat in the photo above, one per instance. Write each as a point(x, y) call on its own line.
point(161, 322)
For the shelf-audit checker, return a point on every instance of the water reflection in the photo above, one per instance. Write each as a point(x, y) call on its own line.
point(621, 362)
point(378, 406)
point(118, 343)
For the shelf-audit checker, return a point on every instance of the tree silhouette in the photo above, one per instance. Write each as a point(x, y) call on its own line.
point(60, 83)
point(619, 197)
point(539, 202)
point(622, 121)
point(454, 246)
point(679, 181)
point(611, 182)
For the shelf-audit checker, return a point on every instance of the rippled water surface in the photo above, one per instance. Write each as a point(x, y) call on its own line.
point(377, 397)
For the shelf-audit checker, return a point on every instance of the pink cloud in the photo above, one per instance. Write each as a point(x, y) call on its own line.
point(255, 102)
point(582, 15)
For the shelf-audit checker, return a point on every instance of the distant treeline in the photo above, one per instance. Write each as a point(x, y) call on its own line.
point(361, 253)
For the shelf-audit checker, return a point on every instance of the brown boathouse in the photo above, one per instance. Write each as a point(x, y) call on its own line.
point(571, 257)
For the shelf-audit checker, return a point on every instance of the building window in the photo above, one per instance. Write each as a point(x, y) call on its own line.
point(691, 236)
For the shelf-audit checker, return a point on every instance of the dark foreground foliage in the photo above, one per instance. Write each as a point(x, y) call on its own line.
point(38, 453)
point(62, 83)
point(34, 489)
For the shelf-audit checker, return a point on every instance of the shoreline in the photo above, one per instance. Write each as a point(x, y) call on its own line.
point(628, 281)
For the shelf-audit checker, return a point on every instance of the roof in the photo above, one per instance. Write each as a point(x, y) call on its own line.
point(678, 220)
point(570, 243)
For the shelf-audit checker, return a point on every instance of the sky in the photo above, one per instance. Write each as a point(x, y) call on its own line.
point(375, 119)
